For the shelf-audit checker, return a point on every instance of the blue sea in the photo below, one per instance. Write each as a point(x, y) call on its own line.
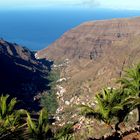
point(37, 28)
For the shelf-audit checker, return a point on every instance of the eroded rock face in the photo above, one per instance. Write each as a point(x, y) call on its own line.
point(97, 53)
point(21, 75)
point(89, 40)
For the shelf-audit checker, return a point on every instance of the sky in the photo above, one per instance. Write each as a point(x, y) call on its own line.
point(116, 4)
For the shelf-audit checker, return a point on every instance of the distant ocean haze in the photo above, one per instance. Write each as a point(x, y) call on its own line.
point(36, 29)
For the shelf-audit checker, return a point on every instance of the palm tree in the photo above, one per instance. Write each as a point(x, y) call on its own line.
point(39, 128)
point(128, 104)
point(111, 104)
point(105, 104)
point(10, 118)
point(131, 83)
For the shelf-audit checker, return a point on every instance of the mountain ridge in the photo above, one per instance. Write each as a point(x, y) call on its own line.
point(21, 74)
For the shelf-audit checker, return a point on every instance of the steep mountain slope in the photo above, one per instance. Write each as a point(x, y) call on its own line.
point(95, 53)
point(21, 74)
point(89, 40)
point(97, 50)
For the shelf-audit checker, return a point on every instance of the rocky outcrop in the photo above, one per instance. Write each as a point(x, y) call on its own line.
point(21, 74)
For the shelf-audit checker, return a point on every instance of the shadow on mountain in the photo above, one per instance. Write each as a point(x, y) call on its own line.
point(22, 75)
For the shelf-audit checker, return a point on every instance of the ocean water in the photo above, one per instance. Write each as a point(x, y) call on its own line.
point(37, 28)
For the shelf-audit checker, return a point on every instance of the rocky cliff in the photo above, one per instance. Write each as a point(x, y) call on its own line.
point(98, 51)
point(21, 74)
point(89, 40)
point(92, 56)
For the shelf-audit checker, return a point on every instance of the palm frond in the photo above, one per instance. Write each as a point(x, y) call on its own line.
point(12, 104)
point(65, 131)
point(85, 110)
point(31, 124)
point(3, 105)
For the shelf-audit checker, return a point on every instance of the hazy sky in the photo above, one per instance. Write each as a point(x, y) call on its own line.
point(123, 4)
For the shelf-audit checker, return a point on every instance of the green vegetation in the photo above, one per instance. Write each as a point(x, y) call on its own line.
point(39, 128)
point(49, 100)
point(65, 133)
point(53, 76)
point(18, 124)
point(131, 83)
point(10, 119)
point(107, 103)
point(112, 106)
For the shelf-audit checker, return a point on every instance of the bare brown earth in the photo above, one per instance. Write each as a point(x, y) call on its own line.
point(133, 136)
point(92, 56)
